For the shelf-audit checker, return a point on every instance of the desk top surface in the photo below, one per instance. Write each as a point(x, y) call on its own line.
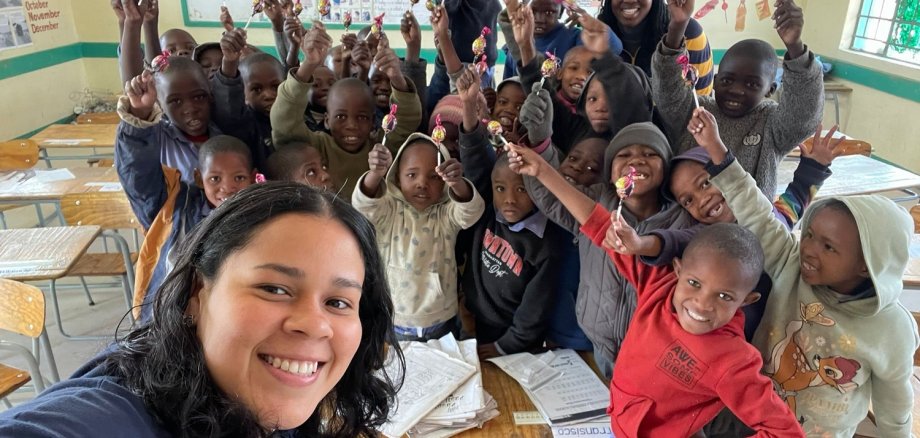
point(853, 175)
point(42, 253)
point(77, 136)
point(32, 185)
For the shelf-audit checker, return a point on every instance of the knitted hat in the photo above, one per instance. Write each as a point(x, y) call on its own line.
point(451, 110)
point(646, 134)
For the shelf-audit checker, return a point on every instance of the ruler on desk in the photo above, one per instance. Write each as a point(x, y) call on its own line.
point(522, 418)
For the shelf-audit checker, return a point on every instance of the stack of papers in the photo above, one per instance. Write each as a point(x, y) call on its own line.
point(442, 391)
point(563, 387)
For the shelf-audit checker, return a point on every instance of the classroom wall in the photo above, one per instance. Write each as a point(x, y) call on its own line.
point(887, 121)
point(36, 97)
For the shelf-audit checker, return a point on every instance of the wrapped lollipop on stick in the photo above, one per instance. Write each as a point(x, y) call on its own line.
point(430, 5)
point(323, 8)
point(438, 134)
point(388, 124)
point(257, 7)
point(160, 63)
point(496, 130)
point(479, 50)
point(690, 75)
point(346, 21)
point(298, 8)
point(549, 67)
point(376, 27)
point(625, 186)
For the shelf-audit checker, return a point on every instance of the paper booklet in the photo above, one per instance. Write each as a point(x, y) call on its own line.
point(430, 376)
point(573, 393)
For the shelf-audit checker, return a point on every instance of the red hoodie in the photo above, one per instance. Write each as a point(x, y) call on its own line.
point(670, 383)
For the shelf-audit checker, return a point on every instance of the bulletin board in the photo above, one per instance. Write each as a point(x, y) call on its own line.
point(206, 13)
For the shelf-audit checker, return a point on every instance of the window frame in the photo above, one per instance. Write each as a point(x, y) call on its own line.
point(889, 46)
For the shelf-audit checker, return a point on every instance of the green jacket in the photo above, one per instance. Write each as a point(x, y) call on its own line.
point(345, 167)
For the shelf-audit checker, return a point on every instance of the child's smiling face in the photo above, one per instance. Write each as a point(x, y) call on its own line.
point(648, 164)
point(575, 71)
point(831, 253)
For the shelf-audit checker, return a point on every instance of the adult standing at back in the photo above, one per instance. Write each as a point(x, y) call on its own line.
point(641, 24)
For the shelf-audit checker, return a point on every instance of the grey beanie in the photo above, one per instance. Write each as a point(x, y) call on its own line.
point(644, 133)
point(696, 154)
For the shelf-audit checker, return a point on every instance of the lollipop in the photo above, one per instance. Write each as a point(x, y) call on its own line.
point(257, 7)
point(298, 8)
point(160, 63)
point(549, 67)
point(323, 8)
point(625, 185)
point(479, 50)
point(346, 21)
point(388, 123)
point(430, 5)
point(438, 134)
point(496, 130)
point(376, 27)
point(691, 76)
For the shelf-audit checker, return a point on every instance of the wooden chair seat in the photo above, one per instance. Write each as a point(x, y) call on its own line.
point(12, 379)
point(100, 265)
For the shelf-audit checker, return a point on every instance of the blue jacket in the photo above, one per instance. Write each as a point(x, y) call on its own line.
point(167, 207)
point(558, 41)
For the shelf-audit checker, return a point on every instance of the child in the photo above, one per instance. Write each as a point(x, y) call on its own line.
point(549, 34)
point(684, 357)
point(299, 162)
point(178, 42)
point(167, 207)
point(323, 79)
point(244, 92)
point(209, 56)
point(605, 299)
point(181, 120)
point(349, 111)
point(418, 211)
point(548, 112)
point(834, 336)
point(760, 131)
point(514, 260)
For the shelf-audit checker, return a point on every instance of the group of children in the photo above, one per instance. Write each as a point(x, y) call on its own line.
point(686, 281)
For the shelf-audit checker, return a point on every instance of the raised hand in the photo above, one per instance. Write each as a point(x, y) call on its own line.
point(142, 94)
point(537, 114)
point(680, 10)
point(705, 131)
point(410, 30)
point(361, 55)
point(594, 34)
point(119, 10)
point(316, 44)
point(275, 13)
point(522, 25)
point(294, 30)
point(389, 64)
point(789, 21)
point(621, 237)
point(512, 6)
point(824, 149)
point(225, 19)
point(152, 14)
point(231, 45)
point(134, 13)
point(524, 161)
point(440, 22)
point(379, 160)
point(468, 85)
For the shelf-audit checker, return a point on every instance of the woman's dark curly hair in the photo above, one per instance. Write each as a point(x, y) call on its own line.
point(163, 362)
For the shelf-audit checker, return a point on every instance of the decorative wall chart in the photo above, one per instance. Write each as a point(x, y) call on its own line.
point(206, 13)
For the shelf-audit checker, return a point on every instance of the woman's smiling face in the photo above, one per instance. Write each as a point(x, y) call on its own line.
point(279, 324)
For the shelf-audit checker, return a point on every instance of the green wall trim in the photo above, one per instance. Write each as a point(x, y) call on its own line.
point(64, 120)
point(885, 82)
point(30, 62)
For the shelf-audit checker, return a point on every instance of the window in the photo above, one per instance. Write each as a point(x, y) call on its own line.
point(889, 28)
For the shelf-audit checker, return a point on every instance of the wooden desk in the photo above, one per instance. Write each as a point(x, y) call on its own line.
point(76, 137)
point(511, 398)
point(107, 118)
point(31, 254)
point(87, 179)
point(853, 175)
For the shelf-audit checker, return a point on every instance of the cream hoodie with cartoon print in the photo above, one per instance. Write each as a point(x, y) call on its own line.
point(829, 356)
point(418, 246)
